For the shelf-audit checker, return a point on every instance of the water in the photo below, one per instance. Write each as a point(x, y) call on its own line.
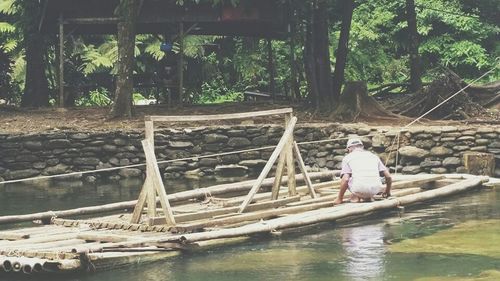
point(361, 250)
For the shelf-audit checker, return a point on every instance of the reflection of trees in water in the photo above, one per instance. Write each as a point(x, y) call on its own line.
point(365, 252)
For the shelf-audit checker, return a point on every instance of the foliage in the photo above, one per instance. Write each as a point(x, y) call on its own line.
point(460, 34)
point(99, 97)
point(215, 91)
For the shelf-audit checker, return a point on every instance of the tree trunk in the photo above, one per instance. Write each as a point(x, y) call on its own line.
point(122, 106)
point(343, 49)
point(415, 68)
point(322, 55)
point(310, 69)
point(36, 89)
point(271, 68)
point(294, 84)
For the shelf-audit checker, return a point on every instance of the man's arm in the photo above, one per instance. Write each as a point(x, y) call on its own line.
point(343, 187)
point(388, 183)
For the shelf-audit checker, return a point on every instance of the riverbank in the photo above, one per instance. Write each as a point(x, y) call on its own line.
point(95, 119)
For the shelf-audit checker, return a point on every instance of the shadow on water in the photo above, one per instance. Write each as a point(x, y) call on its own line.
point(354, 250)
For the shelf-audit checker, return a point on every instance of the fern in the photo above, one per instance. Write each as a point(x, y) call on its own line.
point(10, 45)
point(6, 27)
point(7, 7)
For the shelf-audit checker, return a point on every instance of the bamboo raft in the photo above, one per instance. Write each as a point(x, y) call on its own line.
point(101, 243)
point(157, 225)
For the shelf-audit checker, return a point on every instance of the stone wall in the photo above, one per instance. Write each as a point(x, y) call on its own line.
point(429, 149)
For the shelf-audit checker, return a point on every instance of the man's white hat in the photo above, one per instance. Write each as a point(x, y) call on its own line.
point(353, 142)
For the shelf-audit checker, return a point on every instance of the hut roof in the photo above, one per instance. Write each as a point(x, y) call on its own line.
point(259, 18)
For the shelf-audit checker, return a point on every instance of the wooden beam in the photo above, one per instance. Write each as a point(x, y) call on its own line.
point(290, 163)
point(219, 116)
point(157, 181)
point(283, 141)
point(303, 170)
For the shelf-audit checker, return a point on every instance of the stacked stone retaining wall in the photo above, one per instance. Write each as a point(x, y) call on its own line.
point(430, 150)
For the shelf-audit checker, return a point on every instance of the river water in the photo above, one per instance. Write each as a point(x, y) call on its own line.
point(365, 249)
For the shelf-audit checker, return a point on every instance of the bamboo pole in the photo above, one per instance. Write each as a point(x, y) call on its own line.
point(265, 195)
point(177, 197)
point(228, 210)
point(281, 144)
point(303, 170)
point(213, 117)
point(13, 236)
point(326, 214)
point(277, 177)
point(152, 165)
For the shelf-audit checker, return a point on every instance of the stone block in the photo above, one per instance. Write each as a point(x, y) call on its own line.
point(441, 151)
point(414, 152)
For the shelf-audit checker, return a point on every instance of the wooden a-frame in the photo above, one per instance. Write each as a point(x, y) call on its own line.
point(287, 150)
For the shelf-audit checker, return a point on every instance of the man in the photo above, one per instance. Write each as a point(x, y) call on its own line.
point(361, 171)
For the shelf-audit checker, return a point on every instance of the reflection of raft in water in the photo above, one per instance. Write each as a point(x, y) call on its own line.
point(202, 217)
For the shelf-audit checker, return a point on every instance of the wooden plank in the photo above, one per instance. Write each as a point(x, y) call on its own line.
point(243, 115)
point(157, 181)
point(303, 170)
point(281, 144)
point(290, 163)
point(229, 210)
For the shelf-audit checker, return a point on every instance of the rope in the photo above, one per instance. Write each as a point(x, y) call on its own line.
point(164, 161)
point(437, 106)
point(397, 138)
point(450, 97)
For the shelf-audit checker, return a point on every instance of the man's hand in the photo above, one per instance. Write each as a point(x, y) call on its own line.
point(386, 194)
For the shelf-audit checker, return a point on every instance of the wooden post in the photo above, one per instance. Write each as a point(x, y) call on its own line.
point(152, 166)
point(61, 60)
point(281, 145)
point(149, 182)
point(290, 164)
point(302, 167)
point(181, 62)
